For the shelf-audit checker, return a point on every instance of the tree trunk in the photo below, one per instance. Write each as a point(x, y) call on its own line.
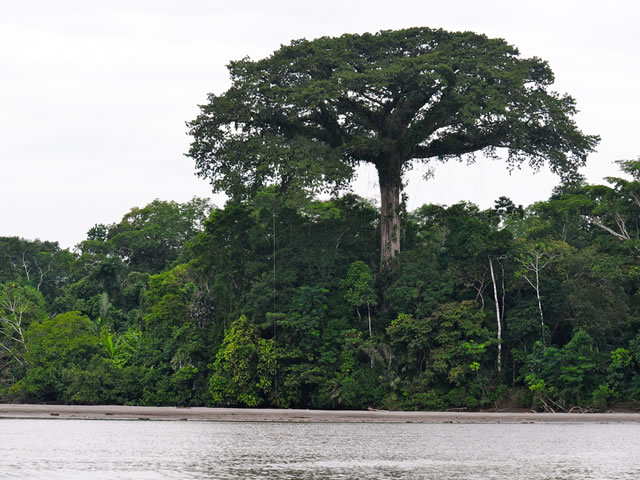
point(498, 316)
point(389, 216)
point(539, 304)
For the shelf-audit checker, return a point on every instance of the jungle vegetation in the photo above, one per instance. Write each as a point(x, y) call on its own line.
point(282, 298)
point(281, 303)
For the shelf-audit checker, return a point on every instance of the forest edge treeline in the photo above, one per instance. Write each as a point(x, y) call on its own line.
point(180, 304)
point(281, 299)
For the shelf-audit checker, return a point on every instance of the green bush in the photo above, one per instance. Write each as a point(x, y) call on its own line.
point(104, 382)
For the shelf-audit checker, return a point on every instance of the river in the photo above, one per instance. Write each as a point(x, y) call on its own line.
point(137, 450)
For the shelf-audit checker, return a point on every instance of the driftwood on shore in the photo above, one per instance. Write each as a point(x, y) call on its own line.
point(102, 412)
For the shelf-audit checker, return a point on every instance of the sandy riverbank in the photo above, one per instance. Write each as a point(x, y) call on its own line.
point(103, 412)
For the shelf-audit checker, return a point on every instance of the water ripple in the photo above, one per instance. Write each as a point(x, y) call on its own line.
point(97, 450)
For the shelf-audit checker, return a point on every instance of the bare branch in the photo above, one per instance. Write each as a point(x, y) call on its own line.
point(24, 265)
point(623, 235)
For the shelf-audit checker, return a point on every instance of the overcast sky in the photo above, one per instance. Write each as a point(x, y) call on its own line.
point(95, 94)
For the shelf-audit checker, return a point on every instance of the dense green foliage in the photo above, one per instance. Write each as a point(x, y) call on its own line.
point(277, 302)
point(280, 299)
point(305, 116)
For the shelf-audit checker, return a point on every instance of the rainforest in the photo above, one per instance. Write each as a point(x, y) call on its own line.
point(298, 293)
point(282, 302)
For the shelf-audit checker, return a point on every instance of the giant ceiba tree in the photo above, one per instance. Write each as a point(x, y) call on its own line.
point(314, 110)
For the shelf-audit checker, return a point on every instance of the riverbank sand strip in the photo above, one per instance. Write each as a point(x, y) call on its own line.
point(302, 416)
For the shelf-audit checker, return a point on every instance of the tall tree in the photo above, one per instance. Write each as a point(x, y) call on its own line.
point(359, 289)
point(314, 110)
point(150, 239)
point(615, 209)
point(534, 258)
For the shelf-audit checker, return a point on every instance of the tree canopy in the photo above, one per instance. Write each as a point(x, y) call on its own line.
point(264, 305)
point(311, 112)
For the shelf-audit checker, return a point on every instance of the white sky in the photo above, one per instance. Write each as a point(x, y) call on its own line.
point(95, 94)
